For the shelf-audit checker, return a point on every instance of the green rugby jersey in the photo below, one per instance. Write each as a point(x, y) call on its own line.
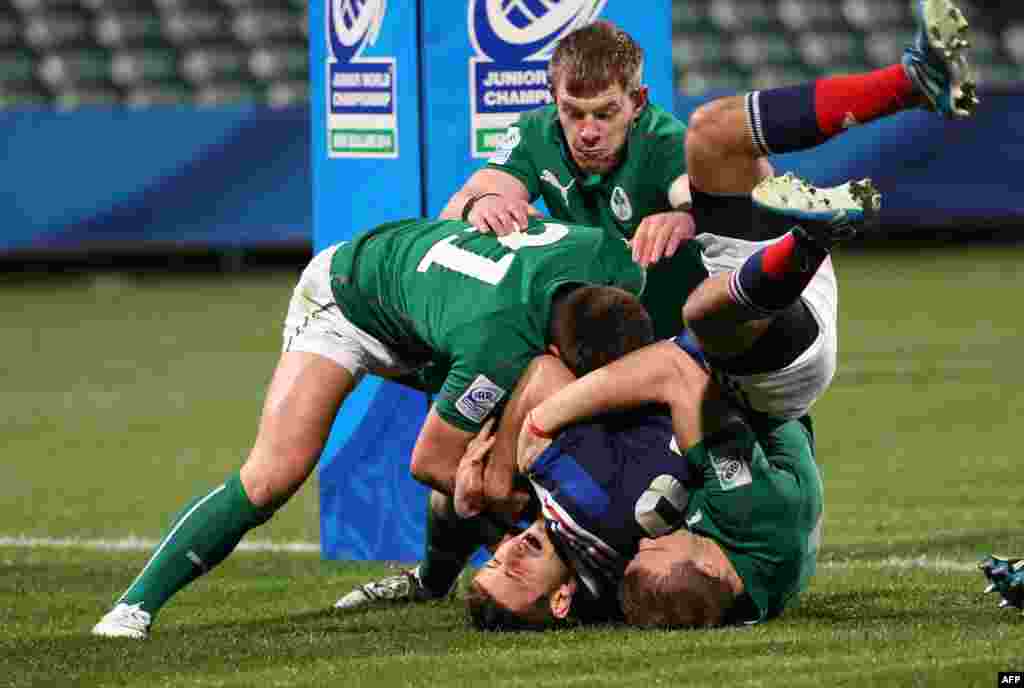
point(762, 502)
point(470, 309)
point(536, 153)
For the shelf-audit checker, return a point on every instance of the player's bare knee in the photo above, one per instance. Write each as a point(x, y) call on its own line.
point(709, 132)
point(259, 486)
point(271, 476)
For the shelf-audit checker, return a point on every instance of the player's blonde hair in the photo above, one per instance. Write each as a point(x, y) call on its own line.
point(683, 595)
point(593, 57)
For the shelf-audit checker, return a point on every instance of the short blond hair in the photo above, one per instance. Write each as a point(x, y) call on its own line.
point(595, 56)
point(684, 596)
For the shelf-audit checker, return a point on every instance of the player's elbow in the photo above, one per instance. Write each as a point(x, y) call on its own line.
point(427, 470)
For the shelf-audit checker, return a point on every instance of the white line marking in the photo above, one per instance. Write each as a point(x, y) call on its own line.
point(922, 562)
point(135, 544)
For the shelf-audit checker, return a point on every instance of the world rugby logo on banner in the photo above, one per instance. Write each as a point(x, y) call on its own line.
point(513, 40)
point(362, 121)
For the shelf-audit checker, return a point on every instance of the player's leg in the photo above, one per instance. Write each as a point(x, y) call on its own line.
point(304, 395)
point(450, 542)
point(450, 539)
point(726, 144)
point(733, 309)
point(726, 135)
point(323, 359)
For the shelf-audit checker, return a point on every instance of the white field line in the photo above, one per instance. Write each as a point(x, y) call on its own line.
point(135, 544)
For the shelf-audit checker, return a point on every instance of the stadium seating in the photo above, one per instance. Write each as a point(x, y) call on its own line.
point(138, 53)
point(740, 44)
point(213, 52)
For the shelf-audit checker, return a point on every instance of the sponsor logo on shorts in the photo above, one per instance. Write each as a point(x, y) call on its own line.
point(513, 42)
point(479, 399)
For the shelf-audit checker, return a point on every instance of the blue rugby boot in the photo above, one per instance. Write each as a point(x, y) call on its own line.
point(825, 215)
point(937, 61)
point(1005, 576)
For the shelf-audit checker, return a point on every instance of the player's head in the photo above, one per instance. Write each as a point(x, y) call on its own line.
point(680, 580)
point(595, 76)
point(592, 326)
point(525, 586)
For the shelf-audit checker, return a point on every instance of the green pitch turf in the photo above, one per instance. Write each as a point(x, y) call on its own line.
point(122, 397)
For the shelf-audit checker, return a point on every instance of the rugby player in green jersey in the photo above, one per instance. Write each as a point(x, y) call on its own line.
point(767, 316)
point(405, 300)
point(602, 155)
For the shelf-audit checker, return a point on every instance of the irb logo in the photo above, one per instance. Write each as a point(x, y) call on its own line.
point(352, 25)
point(518, 30)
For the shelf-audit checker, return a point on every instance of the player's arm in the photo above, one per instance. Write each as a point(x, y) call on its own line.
point(660, 235)
point(496, 202)
point(661, 373)
point(490, 482)
point(438, 449)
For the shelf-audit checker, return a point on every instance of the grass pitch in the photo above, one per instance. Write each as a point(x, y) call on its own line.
point(125, 396)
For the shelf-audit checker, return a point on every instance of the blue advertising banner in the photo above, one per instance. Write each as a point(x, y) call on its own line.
point(366, 162)
point(112, 177)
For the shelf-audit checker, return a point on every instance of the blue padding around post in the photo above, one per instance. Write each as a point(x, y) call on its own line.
point(370, 506)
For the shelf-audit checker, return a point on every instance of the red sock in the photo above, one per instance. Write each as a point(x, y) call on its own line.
point(777, 257)
point(844, 101)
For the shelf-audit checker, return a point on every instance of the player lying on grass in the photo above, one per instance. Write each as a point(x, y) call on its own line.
point(600, 155)
point(718, 507)
point(723, 513)
point(462, 313)
point(766, 317)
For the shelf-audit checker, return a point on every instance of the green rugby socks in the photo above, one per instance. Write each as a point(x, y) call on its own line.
point(450, 542)
point(202, 535)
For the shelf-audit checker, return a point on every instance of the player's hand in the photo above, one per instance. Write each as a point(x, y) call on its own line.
point(469, 476)
point(501, 215)
point(660, 236)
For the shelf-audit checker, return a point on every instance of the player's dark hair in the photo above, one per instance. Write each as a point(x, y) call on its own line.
point(593, 57)
point(683, 597)
point(487, 614)
point(593, 326)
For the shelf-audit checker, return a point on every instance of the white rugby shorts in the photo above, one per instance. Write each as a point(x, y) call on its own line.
point(791, 391)
point(316, 324)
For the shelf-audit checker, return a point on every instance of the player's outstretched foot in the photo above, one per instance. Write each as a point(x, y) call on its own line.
point(826, 215)
point(405, 587)
point(1006, 577)
point(937, 61)
point(124, 621)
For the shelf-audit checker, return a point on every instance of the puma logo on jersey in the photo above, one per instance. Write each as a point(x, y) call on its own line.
point(694, 518)
point(549, 177)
